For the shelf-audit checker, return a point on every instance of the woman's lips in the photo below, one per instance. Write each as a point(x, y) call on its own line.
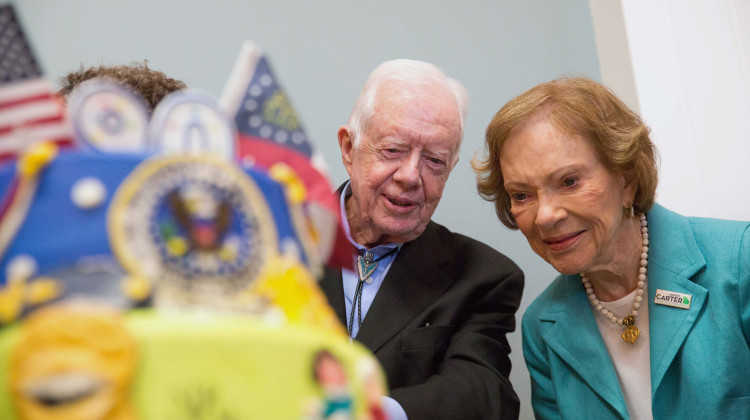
point(563, 242)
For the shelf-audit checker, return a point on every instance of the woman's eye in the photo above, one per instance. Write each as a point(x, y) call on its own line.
point(518, 196)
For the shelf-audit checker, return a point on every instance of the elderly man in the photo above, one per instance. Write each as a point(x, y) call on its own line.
point(433, 306)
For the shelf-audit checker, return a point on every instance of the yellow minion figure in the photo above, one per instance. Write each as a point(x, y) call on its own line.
point(73, 361)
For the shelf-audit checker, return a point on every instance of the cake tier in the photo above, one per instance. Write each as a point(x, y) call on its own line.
point(183, 366)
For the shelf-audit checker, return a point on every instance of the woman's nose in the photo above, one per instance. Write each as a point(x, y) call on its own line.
point(549, 212)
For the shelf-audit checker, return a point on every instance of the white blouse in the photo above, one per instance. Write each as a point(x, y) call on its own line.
point(632, 361)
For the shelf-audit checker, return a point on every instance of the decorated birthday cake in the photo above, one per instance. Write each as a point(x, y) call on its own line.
point(149, 272)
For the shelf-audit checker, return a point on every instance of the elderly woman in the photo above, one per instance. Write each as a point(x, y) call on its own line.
point(650, 317)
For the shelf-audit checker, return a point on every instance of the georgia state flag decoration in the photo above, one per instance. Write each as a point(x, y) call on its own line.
point(269, 132)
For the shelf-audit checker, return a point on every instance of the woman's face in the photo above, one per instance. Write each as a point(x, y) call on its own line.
point(564, 200)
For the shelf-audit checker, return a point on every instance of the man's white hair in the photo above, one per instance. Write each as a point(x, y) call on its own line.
point(408, 73)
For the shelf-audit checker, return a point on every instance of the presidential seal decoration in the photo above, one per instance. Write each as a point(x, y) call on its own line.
point(109, 117)
point(197, 228)
point(192, 122)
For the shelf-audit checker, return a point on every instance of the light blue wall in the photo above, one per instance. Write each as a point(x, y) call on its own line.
point(322, 51)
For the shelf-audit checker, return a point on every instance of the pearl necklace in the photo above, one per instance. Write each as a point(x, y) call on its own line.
point(632, 332)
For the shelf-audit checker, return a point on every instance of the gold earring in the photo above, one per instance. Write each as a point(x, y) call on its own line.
point(628, 210)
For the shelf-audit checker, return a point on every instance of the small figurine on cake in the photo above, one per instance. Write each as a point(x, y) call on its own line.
point(329, 374)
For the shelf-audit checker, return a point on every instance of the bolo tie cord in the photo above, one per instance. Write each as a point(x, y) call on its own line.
point(357, 301)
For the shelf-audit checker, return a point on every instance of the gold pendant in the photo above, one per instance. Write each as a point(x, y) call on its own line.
point(632, 332)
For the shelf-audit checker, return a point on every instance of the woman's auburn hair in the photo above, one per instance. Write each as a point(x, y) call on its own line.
point(575, 105)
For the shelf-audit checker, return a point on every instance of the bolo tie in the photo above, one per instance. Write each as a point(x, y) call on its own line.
point(366, 266)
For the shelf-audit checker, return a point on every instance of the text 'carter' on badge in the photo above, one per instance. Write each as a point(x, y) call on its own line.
point(678, 300)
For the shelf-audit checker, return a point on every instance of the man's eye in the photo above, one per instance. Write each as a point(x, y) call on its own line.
point(436, 161)
point(570, 181)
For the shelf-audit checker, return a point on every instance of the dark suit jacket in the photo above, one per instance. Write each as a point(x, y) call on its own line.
point(438, 326)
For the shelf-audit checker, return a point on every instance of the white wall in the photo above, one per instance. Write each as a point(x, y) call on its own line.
point(322, 52)
point(689, 73)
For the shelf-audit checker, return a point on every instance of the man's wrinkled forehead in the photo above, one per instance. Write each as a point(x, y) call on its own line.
point(438, 102)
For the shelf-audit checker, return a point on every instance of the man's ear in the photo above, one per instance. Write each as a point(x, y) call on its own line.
point(455, 161)
point(346, 144)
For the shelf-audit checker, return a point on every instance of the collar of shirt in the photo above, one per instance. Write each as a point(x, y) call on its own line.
point(350, 277)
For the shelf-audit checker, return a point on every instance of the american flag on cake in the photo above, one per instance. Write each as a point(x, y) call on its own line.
point(30, 111)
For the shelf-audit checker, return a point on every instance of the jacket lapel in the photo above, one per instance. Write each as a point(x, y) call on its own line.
point(332, 285)
point(674, 257)
point(575, 338)
point(332, 282)
point(415, 280)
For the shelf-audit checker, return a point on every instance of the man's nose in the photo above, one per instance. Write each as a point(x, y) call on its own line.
point(408, 171)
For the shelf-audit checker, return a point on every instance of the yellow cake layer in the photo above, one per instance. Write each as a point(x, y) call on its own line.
point(205, 366)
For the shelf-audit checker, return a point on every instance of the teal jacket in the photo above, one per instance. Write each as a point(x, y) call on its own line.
point(700, 357)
